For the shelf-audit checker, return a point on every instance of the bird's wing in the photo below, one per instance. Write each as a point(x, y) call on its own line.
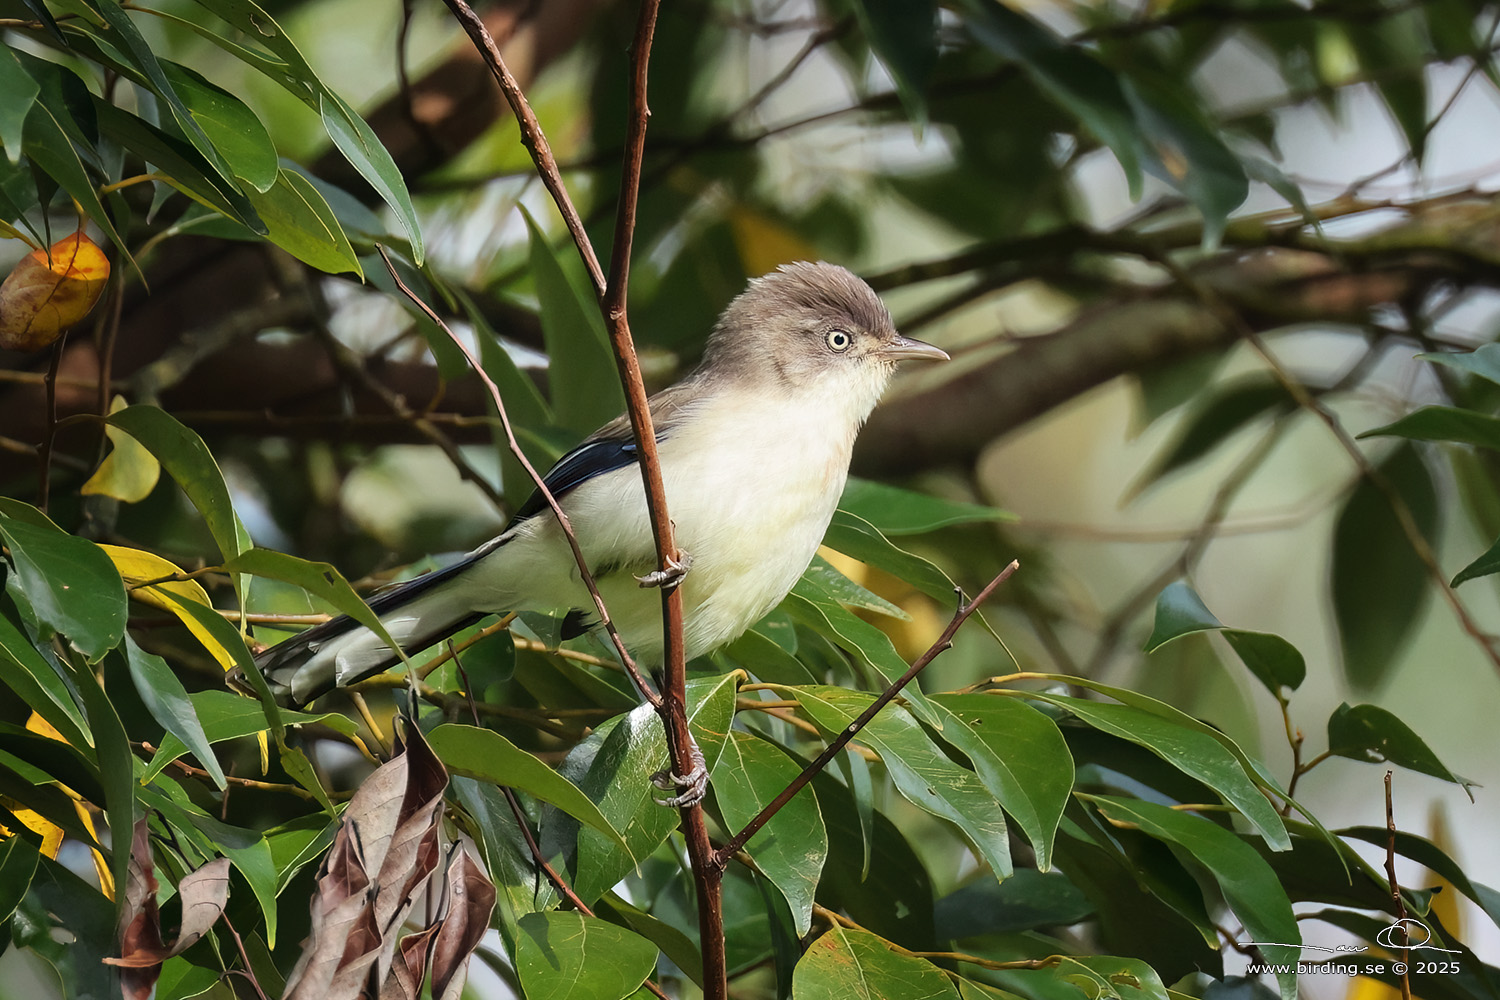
point(609, 448)
point(594, 457)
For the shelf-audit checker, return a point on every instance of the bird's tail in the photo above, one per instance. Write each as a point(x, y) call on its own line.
point(340, 651)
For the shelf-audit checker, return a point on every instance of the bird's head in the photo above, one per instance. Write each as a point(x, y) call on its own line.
point(811, 328)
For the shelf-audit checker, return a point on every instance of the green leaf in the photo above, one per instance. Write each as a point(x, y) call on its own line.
point(1020, 756)
point(612, 767)
point(1250, 887)
point(298, 220)
point(247, 850)
point(822, 575)
point(1392, 50)
point(167, 700)
point(1029, 900)
point(320, 579)
point(1228, 408)
point(810, 606)
point(1432, 857)
point(766, 660)
point(1275, 662)
point(225, 715)
point(116, 773)
point(674, 944)
point(1193, 157)
point(70, 583)
point(1190, 751)
point(895, 511)
point(585, 386)
point(347, 129)
point(227, 636)
point(235, 131)
point(1106, 977)
point(921, 772)
point(63, 920)
point(18, 862)
point(854, 536)
point(890, 895)
point(487, 756)
point(1444, 423)
point(188, 461)
point(1179, 611)
point(20, 92)
point(1371, 734)
point(362, 148)
point(847, 964)
point(47, 145)
point(1379, 585)
point(1069, 75)
point(568, 956)
point(124, 31)
point(1484, 361)
point(182, 165)
point(903, 34)
point(31, 678)
point(1487, 564)
point(1152, 706)
point(791, 848)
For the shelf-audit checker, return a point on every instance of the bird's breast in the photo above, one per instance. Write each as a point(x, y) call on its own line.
point(751, 489)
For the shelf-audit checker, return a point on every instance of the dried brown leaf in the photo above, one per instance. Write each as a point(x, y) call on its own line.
point(471, 900)
point(404, 982)
point(203, 894)
point(385, 850)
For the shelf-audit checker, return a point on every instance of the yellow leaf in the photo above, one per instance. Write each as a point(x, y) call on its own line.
point(40, 726)
point(49, 291)
point(764, 243)
point(129, 472)
point(52, 834)
point(137, 566)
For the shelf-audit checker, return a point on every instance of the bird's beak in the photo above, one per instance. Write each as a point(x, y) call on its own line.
point(906, 349)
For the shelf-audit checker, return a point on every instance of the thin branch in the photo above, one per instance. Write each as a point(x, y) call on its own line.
point(536, 477)
point(265, 786)
point(532, 136)
point(348, 362)
point(1227, 314)
point(943, 642)
point(1390, 871)
point(44, 453)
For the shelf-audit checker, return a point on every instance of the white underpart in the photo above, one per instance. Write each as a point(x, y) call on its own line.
point(752, 479)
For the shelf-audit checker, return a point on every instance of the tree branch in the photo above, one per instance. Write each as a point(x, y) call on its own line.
point(945, 641)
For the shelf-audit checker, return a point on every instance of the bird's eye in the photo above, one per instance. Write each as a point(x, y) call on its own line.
point(839, 341)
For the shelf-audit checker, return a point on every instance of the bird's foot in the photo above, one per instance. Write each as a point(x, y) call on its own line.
point(693, 785)
point(670, 577)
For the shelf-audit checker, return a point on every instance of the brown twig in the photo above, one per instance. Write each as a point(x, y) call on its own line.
point(943, 642)
point(1390, 871)
point(44, 453)
point(685, 757)
point(672, 705)
point(541, 484)
point(532, 136)
point(248, 972)
point(352, 366)
point(265, 786)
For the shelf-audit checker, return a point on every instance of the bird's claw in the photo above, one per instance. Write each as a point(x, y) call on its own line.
point(670, 577)
point(693, 785)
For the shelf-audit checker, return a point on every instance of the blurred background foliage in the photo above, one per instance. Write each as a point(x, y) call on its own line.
point(1185, 254)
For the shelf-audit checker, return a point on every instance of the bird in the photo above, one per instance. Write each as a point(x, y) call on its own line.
point(754, 445)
